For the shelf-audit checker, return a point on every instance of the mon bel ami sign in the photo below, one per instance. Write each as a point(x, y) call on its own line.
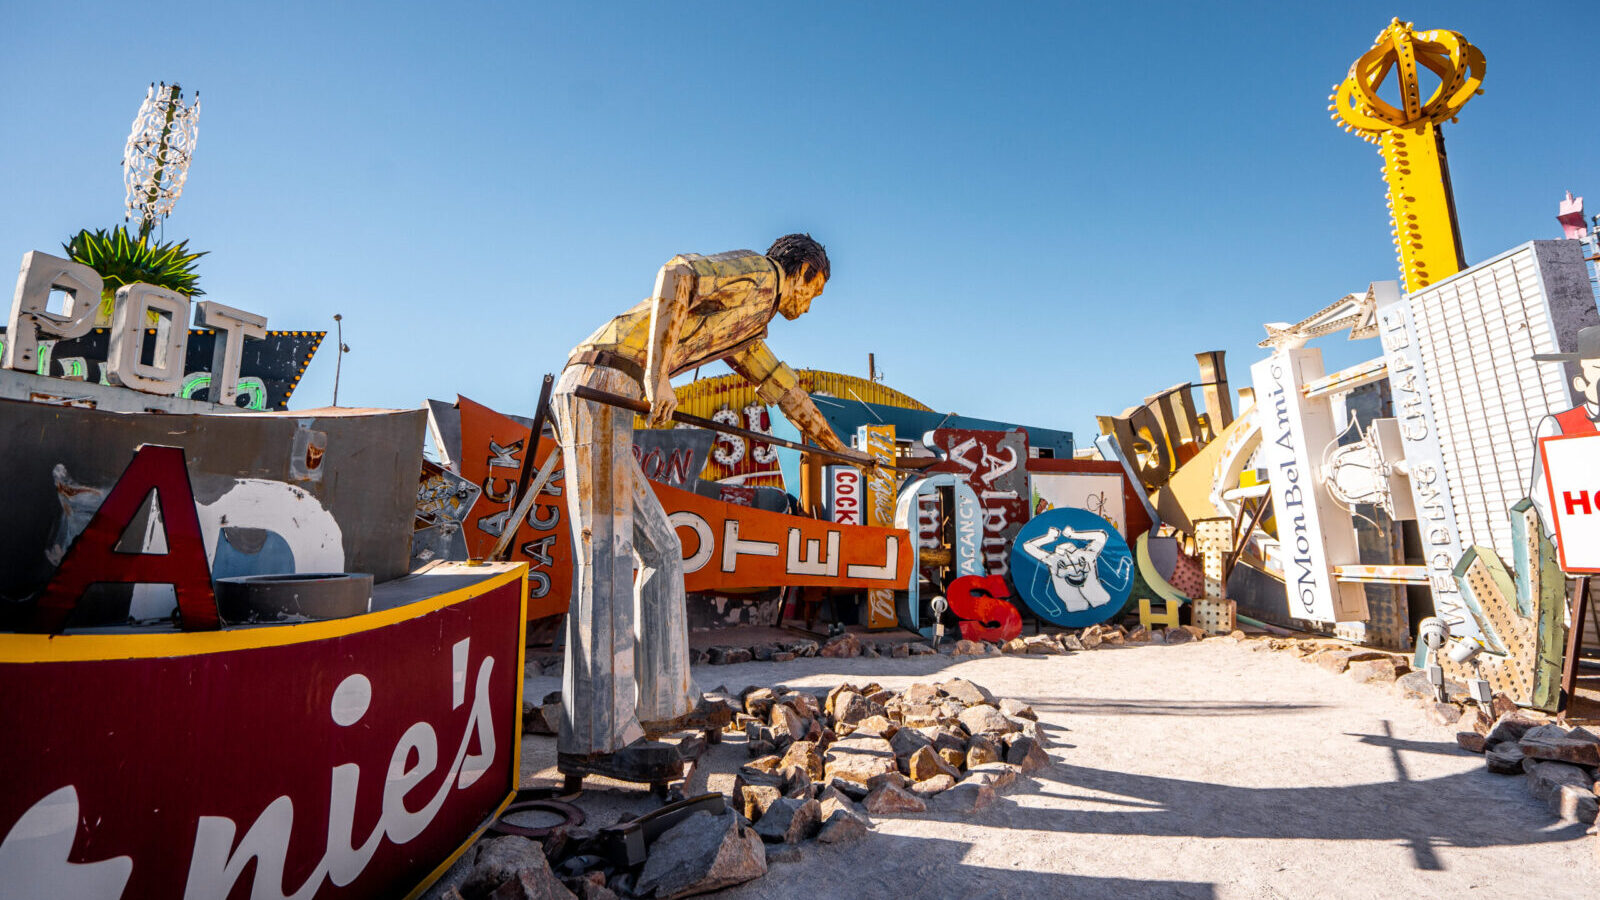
point(345, 758)
point(1572, 476)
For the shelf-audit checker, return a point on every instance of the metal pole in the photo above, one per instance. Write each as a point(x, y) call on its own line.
point(338, 362)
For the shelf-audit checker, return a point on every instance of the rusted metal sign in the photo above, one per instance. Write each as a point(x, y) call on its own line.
point(727, 547)
point(492, 447)
point(674, 456)
point(877, 441)
point(994, 463)
point(345, 758)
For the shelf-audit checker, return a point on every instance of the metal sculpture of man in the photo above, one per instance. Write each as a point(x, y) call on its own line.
point(627, 661)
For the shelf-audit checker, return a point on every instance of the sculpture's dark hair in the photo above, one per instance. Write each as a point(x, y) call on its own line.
point(793, 250)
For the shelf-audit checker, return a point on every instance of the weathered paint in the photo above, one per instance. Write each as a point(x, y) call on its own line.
point(374, 748)
point(707, 395)
point(877, 441)
point(966, 526)
point(980, 603)
point(492, 450)
point(733, 547)
point(994, 464)
point(372, 502)
point(1522, 612)
point(1072, 568)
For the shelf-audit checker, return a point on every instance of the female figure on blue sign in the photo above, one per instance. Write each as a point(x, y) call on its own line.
point(1072, 566)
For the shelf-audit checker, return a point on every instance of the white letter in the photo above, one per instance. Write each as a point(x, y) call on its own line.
point(127, 339)
point(232, 327)
point(42, 273)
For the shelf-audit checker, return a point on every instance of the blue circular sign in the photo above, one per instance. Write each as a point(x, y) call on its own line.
point(1072, 568)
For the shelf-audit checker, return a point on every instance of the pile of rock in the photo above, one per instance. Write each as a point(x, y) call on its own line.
point(1047, 643)
point(1382, 668)
point(823, 767)
point(512, 868)
point(1560, 763)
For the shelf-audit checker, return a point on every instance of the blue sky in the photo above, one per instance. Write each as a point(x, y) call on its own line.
point(1035, 212)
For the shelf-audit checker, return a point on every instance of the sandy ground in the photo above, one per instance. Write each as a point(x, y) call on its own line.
point(1197, 770)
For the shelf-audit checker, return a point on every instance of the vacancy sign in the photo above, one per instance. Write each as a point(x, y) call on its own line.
point(1571, 464)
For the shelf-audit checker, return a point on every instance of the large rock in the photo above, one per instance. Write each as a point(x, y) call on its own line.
point(921, 693)
point(788, 724)
point(850, 708)
point(907, 741)
point(702, 853)
point(997, 775)
point(542, 718)
point(886, 799)
point(1566, 788)
point(876, 726)
point(966, 692)
point(842, 647)
point(858, 759)
point(966, 797)
point(1548, 731)
point(1562, 749)
point(1471, 741)
point(842, 821)
point(1018, 709)
point(983, 749)
point(803, 755)
point(967, 648)
point(1510, 727)
point(1504, 758)
point(1025, 753)
point(499, 860)
point(926, 763)
point(955, 759)
point(1041, 645)
point(986, 719)
point(762, 765)
point(921, 715)
point(754, 799)
point(1071, 643)
point(945, 738)
point(790, 820)
point(933, 785)
point(533, 884)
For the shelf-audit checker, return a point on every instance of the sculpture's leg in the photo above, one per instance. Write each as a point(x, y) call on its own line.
point(666, 691)
point(598, 690)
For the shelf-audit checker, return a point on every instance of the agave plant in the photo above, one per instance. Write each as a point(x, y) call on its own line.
point(123, 259)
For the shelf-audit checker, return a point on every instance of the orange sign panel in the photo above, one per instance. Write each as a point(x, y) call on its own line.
point(728, 547)
point(492, 449)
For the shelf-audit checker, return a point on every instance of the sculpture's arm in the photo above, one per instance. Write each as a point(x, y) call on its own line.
point(777, 383)
point(669, 307)
point(1035, 547)
point(1097, 539)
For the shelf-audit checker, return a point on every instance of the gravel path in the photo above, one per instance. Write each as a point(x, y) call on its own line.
point(1197, 770)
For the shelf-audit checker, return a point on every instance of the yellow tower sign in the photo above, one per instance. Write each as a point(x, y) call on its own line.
point(1409, 138)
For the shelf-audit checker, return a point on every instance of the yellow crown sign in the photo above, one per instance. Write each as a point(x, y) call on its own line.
point(1408, 136)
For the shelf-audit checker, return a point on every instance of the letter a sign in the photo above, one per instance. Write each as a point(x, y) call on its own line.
point(1572, 476)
